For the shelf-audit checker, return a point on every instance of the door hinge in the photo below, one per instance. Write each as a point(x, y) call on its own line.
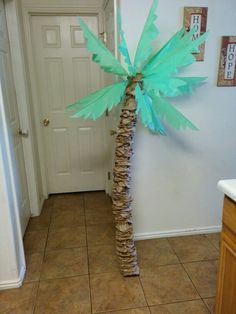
point(109, 175)
point(103, 36)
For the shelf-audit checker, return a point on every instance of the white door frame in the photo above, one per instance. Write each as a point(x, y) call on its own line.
point(12, 8)
point(12, 262)
point(31, 10)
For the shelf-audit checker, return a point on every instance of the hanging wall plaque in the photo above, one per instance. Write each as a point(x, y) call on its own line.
point(227, 64)
point(196, 17)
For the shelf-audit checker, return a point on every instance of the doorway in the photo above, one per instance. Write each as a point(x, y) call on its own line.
point(75, 150)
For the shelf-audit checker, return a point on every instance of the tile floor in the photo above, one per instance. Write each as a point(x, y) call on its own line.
point(72, 267)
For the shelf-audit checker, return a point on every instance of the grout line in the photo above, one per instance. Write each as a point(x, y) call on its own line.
point(143, 290)
point(209, 241)
point(182, 301)
point(181, 263)
point(90, 292)
point(206, 305)
point(124, 309)
point(50, 220)
point(64, 277)
point(36, 297)
point(191, 281)
point(201, 261)
point(41, 266)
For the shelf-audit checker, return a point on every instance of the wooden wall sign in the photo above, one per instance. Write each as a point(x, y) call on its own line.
point(196, 17)
point(227, 65)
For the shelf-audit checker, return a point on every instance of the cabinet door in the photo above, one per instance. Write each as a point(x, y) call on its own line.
point(226, 294)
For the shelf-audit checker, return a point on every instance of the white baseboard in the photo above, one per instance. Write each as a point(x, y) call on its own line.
point(176, 233)
point(10, 284)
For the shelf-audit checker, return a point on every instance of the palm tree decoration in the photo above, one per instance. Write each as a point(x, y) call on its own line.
point(141, 90)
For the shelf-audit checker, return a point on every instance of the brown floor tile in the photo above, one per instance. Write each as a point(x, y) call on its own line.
point(214, 238)
point(101, 234)
point(68, 203)
point(111, 291)
point(47, 205)
point(190, 307)
point(67, 295)
point(39, 223)
point(67, 220)
point(193, 248)
point(20, 300)
point(66, 238)
point(141, 310)
point(210, 303)
point(203, 275)
point(155, 252)
point(35, 241)
point(65, 263)
point(61, 210)
point(33, 266)
point(102, 259)
point(98, 216)
point(98, 199)
point(167, 284)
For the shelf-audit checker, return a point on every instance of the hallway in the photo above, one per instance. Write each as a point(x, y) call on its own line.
point(72, 266)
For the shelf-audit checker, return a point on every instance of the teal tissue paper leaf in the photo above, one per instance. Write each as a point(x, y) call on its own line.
point(164, 50)
point(149, 34)
point(101, 54)
point(180, 54)
point(167, 86)
point(146, 113)
point(190, 83)
point(170, 114)
point(171, 86)
point(95, 104)
point(123, 48)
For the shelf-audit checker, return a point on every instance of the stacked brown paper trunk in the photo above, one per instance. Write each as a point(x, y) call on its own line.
point(121, 197)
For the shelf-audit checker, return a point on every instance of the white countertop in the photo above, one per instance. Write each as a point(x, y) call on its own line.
point(228, 187)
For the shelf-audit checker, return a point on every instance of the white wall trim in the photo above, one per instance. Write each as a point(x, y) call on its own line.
point(176, 233)
point(10, 284)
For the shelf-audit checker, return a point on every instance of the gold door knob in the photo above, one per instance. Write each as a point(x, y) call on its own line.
point(46, 122)
point(112, 132)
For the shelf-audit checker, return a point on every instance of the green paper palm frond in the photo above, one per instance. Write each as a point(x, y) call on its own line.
point(170, 114)
point(149, 34)
point(146, 113)
point(95, 104)
point(171, 86)
point(179, 53)
point(159, 72)
point(101, 54)
point(123, 46)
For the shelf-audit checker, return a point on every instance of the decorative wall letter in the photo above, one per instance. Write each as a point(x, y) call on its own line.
point(227, 65)
point(196, 17)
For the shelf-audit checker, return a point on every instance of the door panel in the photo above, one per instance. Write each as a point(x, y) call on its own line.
point(10, 105)
point(75, 151)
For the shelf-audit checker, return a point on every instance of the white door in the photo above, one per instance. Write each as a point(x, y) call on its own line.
point(10, 105)
point(75, 150)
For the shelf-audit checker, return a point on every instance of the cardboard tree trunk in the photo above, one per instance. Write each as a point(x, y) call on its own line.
point(121, 196)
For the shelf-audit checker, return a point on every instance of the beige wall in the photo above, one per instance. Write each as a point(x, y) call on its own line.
point(175, 177)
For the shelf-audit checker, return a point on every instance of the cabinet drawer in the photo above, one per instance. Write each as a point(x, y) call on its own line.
point(229, 214)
